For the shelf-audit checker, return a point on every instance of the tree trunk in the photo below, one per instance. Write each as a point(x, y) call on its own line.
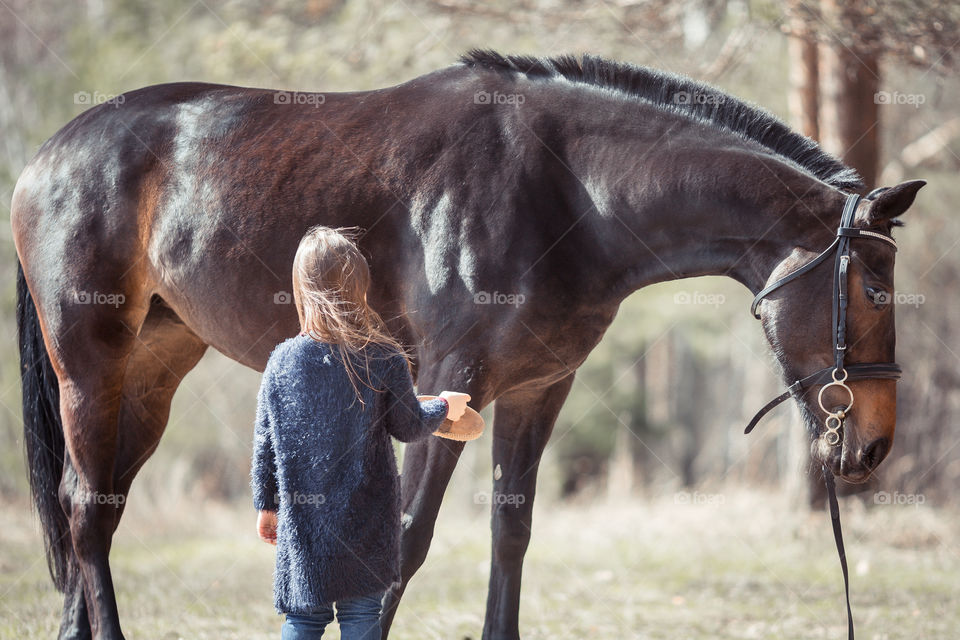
point(804, 97)
point(850, 81)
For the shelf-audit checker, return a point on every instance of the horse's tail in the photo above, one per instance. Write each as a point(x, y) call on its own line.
point(43, 434)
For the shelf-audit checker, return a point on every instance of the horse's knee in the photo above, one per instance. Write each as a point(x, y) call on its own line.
point(511, 533)
point(415, 538)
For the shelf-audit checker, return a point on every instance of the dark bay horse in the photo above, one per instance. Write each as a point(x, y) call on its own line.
point(510, 205)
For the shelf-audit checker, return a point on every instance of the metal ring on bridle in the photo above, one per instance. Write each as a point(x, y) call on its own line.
point(842, 385)
point(832, 434)
point(835, 418)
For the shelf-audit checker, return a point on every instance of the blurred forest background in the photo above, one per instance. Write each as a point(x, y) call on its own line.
point(660, 406)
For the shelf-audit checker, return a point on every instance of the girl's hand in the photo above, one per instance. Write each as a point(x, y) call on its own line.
point(456, 404)
point(267, 526)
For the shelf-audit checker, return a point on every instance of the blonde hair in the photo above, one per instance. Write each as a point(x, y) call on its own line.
point(330, 283)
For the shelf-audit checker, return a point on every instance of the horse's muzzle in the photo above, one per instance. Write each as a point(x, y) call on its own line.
point(851, 462)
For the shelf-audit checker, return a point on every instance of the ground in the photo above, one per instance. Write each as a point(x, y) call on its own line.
point(737, 564)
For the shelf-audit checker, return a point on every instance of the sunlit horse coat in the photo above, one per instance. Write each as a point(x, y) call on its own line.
point(325, 462)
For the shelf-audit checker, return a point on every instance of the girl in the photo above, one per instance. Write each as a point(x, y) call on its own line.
point(324, 476)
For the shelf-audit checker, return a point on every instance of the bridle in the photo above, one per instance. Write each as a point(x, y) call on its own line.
point(838, 374)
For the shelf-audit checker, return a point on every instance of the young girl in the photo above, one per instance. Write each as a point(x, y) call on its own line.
point(324, 476)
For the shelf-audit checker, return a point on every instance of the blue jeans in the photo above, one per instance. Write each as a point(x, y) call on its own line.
point(359, 619)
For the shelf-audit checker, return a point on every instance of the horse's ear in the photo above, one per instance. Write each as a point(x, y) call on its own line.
point(892, 202)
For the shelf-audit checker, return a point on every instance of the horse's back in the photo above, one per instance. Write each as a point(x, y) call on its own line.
point(208, 188)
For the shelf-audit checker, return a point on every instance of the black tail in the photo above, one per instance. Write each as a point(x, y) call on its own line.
point(43, 434)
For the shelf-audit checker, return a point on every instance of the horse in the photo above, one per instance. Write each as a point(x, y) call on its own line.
point(508, 205)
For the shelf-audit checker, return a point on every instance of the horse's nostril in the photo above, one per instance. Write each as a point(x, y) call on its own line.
point(874, 453)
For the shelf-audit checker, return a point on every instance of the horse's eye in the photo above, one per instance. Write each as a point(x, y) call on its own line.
point(878, 297)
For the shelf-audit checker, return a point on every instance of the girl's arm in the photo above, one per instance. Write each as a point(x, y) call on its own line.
point(263, 472)
point(406, 418)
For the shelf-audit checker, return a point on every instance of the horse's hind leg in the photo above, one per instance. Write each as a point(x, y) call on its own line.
point(522, 422)
point(74, 623)
point(90, 349)
point(114, 398)
point(165, 351)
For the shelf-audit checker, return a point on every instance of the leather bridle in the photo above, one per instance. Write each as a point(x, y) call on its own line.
point(839, 373)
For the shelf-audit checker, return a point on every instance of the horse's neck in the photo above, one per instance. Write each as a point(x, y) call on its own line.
point(721, 218)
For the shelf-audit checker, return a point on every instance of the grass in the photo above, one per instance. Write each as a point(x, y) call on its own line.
point(743, 566)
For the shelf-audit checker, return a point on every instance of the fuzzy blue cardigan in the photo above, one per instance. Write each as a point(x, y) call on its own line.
point(325, 463)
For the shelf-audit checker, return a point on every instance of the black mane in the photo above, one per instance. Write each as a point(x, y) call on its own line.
point(707, 104)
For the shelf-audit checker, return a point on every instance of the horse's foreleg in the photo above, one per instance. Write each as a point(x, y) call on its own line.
point(427, 467)
point(523, 421)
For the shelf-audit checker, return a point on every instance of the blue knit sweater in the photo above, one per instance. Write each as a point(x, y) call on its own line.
point(325, 463)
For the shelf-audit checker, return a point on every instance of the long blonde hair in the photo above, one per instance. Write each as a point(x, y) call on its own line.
point(330, 283)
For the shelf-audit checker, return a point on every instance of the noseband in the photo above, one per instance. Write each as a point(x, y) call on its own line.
point(838, 374)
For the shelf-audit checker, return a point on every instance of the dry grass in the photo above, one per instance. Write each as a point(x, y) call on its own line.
point(733, 565)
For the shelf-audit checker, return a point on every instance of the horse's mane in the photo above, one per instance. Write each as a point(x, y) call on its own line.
point(704, 103)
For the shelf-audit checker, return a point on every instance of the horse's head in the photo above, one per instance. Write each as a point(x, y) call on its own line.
point(851, 424)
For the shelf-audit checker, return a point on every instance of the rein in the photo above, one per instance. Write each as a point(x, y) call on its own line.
point(838, 374)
